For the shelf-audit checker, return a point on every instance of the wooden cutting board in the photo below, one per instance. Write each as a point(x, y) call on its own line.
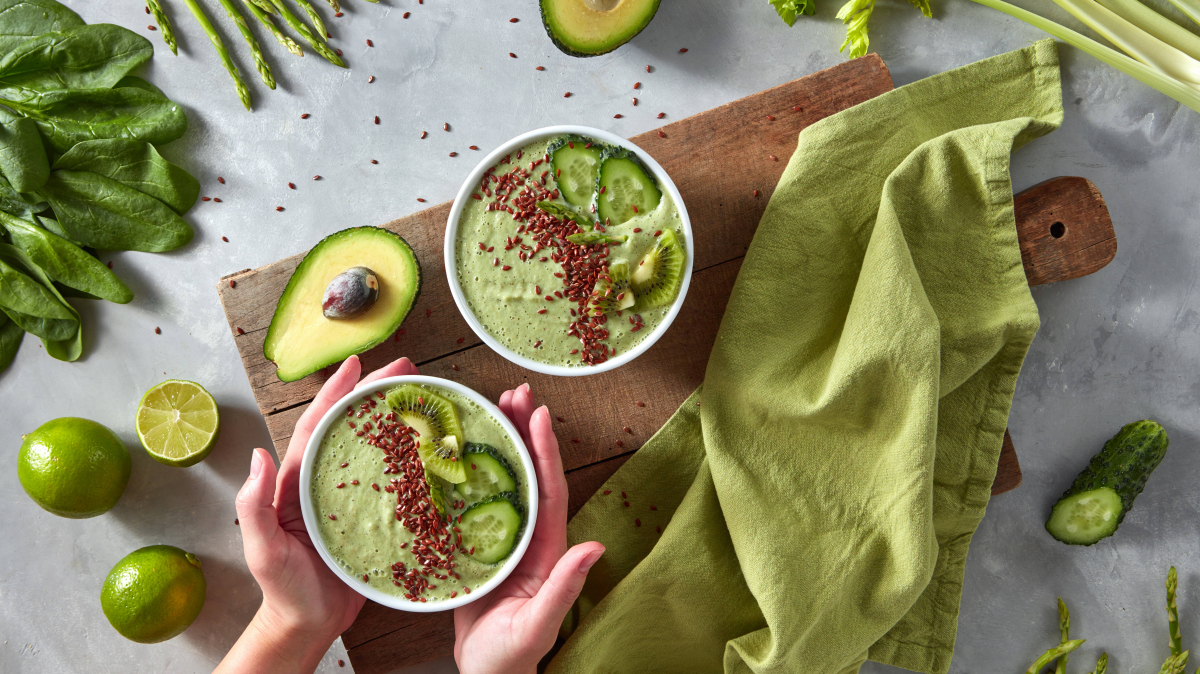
point(725, 162)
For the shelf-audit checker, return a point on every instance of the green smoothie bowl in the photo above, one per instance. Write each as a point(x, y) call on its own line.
point(418, 493)
point(569, 250)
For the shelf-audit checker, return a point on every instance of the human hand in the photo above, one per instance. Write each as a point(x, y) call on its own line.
point(305, 606)
point(509, 630)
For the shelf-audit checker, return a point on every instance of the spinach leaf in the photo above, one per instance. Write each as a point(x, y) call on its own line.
point(23, 205)
point(23, 19)
point(138, 83)
point(75, 115)
point(33, 306)
point(52, 225)
point(65, 262)
point(69, 348)
point(11, 335)
point(81, 57)
point(23, 157)
point(134, 164)
point(102, 213)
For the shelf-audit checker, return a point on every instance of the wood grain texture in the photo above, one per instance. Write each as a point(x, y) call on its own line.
point(1065, 230)
point(719, 194)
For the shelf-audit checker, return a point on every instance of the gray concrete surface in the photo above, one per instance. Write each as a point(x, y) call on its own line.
point(1117, 346)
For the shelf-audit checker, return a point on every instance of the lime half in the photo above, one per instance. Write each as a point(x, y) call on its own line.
point(177, 422)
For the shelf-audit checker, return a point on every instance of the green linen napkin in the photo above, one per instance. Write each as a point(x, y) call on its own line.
point(817, 495)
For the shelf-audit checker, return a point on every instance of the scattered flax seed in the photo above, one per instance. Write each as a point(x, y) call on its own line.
point(370, 44)
point(770, 118)
point(661, 115)
point(559, 418)
point(279, 208)
point(338, 14)
point(291, 186)
point(158, 331)
point(654, 507)
point(661, 134)
point(332, 517)
point(371, 79)
point(428, 313)
point(607, 492)
point(232, 283)
point(454, 367)
point(376, 119)
point(575, 440)
point(658, 530)
point(445, 126)
point(756, 194)
point(339, 51)
point(374, 161)
point(217, 199)
point(635, 101)
point(512, 55)
point(147, 9)
point(647, 68)
point(304, 115)
point(236, 522)
point(205, 198)
point(640, 404)
point(773, 157)
point(540, 68)
point(513, 20)
point(151, 28)
point(473, 147)
point(620, 444)
point(627, 504)
point(618, 116)
point(453, 154)
point(316, 177)
point(423, 135)
point(797, 108)
point(220, 180)
point(628, 431)
point(461, 340)
point(420, 200)
point(567, 95)
point(225, 239)
point(407, 14)
point(624, 495)
point(637, 522)
point(683, 51)
point(241, 331)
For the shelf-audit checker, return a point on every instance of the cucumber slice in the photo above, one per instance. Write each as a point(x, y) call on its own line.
point(1086, 517)
point(628, 188)
point(575, 161)
point(488, 473)
point(491, 527)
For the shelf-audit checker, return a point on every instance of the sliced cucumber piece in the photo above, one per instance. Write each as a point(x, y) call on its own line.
point(488, 473)
point(1086, 517)
point(628, 189)
point(490, 528)
point(575, 161)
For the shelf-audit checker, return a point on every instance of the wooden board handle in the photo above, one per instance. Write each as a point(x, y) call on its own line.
point(1065, 232)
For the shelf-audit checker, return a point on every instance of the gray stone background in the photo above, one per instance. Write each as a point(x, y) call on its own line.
point(1114, 347)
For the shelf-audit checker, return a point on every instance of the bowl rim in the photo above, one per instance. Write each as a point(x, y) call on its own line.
point(464, 193)
point(355, 583)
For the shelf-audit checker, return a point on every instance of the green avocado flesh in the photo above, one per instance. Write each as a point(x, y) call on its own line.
point(594, 27)
point(301, 340)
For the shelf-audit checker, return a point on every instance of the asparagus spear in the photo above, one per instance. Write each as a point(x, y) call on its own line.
point(260, 61)
point(1102, 664)
point(264, 5)
point(1173, 613)
point(311, 11)
point(298, 26)
point(1064, 629)
point(1175, 664)
point(287, 42)
point(334, 4)
point(215, 38)
point(164, 24)
point(1053, 654)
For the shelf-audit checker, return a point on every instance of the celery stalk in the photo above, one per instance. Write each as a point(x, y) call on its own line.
point(1189, 7)
point(1134, 41)
point(1156, 24)
point(1151, 77)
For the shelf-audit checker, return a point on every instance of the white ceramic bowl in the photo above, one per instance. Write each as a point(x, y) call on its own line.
point(473, 180)
point(336, 413)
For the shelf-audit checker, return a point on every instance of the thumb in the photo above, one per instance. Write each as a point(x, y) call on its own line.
point(562, 588)
point(256, 514)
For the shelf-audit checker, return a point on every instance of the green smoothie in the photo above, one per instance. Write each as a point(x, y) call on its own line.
point(368, 522)
point(509, 254)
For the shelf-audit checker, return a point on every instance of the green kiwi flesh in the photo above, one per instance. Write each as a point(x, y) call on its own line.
point(439, 440)
point(656, 279)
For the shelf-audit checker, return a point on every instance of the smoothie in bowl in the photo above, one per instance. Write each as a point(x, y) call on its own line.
point(418, 492)
point(569, 251)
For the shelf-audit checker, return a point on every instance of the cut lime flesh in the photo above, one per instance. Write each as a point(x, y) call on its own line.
point(178, 422)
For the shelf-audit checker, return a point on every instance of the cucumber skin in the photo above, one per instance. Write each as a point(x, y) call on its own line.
point(1124, 464)
point(480, 448)
point(515, 500)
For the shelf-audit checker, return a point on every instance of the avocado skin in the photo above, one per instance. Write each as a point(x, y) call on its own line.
point(571, 51)
point(1125, 463)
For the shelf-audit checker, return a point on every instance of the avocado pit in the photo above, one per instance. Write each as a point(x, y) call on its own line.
point(350, 293)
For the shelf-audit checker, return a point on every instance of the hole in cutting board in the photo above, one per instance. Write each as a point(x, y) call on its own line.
point(1057, 230)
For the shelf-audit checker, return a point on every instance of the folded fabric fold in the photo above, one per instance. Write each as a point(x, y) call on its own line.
point(817, 495)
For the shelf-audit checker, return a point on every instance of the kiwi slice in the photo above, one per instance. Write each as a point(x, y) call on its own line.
point(439, 439)
point(437, 494)
point(655, 281)
point(616, 295)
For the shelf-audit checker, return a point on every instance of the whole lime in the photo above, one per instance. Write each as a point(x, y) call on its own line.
point(74, 467)
point(153, 594)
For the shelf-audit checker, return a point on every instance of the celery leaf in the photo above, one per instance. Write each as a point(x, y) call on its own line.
point(790, 9)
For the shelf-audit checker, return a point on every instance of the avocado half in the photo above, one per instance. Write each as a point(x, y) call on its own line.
point(301, 340)
point(594, 27)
